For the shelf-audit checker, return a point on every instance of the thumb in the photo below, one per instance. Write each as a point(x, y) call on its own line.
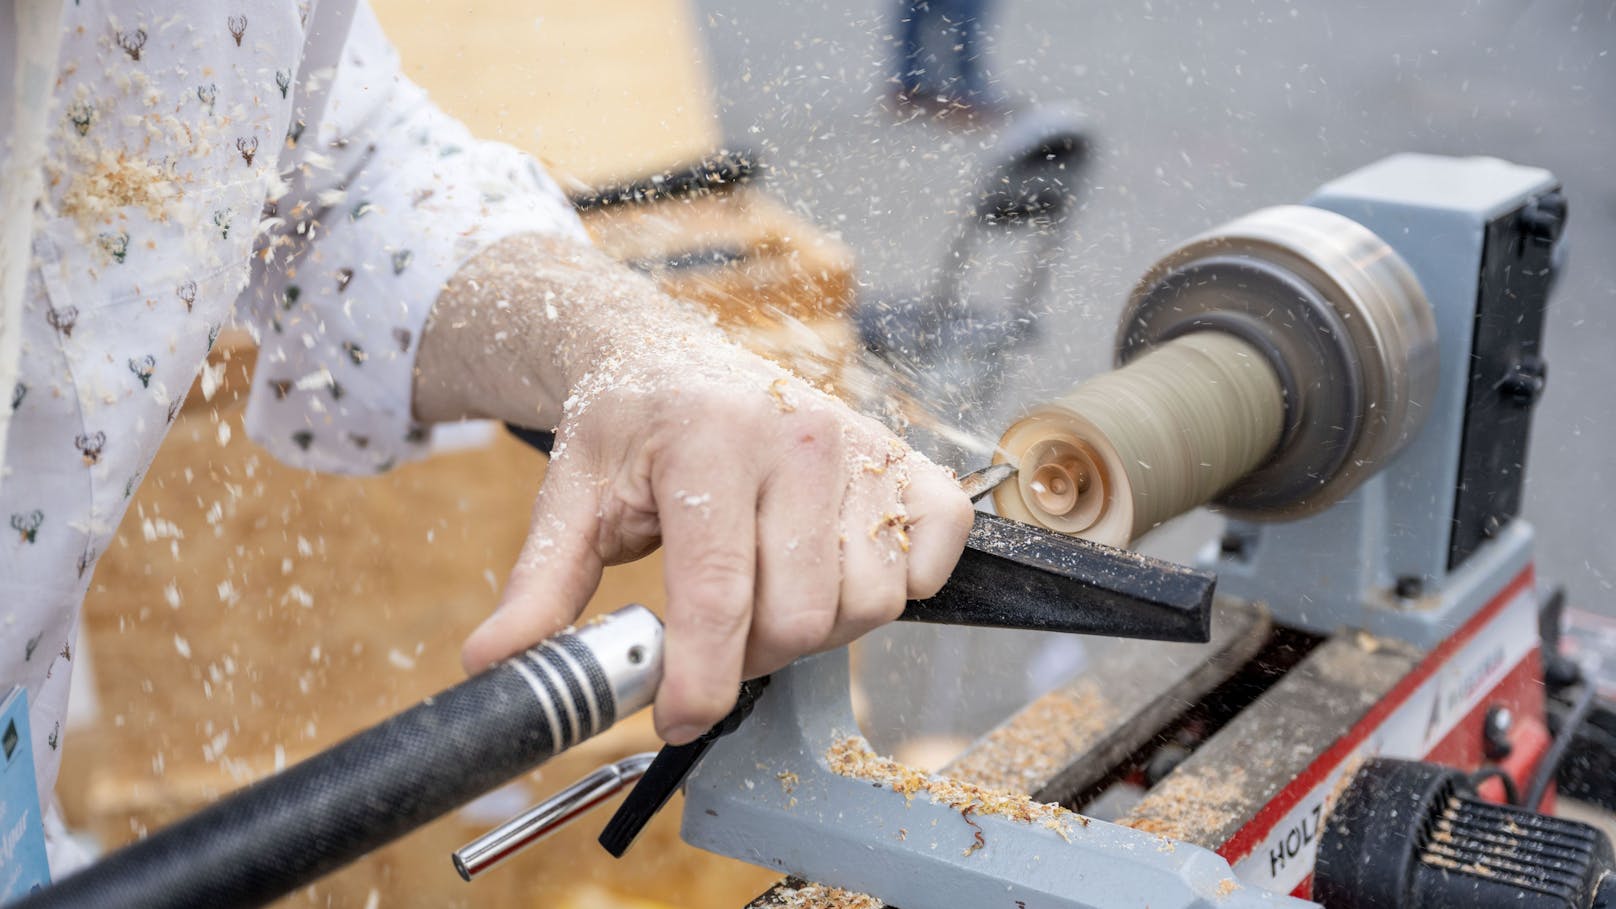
point(553, 578)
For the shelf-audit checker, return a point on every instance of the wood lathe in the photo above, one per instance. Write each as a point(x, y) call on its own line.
point(1382, 717)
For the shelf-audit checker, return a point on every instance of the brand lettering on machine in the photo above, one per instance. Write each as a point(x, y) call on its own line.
point(1458, 697)
point(1296, 840)
point(1473, 680)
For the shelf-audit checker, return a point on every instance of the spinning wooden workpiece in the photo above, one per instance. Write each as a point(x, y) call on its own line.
point(1266, 367)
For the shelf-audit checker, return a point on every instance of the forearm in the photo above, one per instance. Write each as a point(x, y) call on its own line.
point(522, 324)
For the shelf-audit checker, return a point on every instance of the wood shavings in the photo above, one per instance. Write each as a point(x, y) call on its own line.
point(895, 523)
point(818, 896)
point(98, 178)
point(1023, 754)
point(1188, 804)
point(778, 390)
point(852, 757)
point(105, 181)
point(976, 829)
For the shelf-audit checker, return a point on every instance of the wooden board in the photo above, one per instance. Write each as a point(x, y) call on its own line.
point(787, 266)
point(1222, 786)
point(787, 292)
point(602, 91)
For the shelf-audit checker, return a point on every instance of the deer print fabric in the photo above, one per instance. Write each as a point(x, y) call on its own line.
point(261, 162)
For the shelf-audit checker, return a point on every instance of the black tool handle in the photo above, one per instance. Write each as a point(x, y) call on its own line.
point(292, 828)
point(1015, 575)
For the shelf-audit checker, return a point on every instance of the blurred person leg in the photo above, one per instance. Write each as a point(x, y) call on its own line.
point(967, 86)
point(913, 16)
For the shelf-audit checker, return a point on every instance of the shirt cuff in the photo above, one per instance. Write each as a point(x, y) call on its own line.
point(337, 345)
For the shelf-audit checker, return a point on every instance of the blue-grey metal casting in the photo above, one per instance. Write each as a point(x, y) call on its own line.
point(1339, 568)
point(767, 795)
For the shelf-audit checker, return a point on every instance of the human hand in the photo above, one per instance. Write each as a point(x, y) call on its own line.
point(790, 524)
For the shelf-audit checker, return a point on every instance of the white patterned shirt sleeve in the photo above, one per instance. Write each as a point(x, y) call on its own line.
point(398, 195)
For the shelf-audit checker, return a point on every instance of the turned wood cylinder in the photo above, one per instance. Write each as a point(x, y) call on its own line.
point(1127, 450)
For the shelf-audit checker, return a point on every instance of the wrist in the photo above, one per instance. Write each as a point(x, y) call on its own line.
point(527, 321)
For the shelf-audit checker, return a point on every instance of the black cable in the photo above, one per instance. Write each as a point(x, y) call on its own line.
point(1511, 794)
point(1557, 751)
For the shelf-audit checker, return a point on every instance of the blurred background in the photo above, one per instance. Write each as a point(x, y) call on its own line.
point(250, 614)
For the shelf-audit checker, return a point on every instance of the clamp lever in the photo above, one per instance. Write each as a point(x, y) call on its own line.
point(667, 773)
point(548, 816)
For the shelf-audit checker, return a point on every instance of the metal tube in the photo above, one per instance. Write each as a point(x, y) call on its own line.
point(548, 816)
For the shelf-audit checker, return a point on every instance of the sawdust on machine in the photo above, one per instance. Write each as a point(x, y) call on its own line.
point(818, 896)
point(1023, 754)
point(1186, 805)
point(852, 757)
